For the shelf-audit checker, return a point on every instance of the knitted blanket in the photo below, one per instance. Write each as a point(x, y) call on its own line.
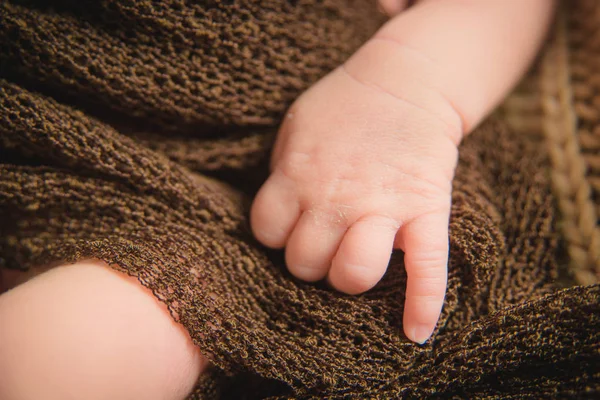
point(136, 132)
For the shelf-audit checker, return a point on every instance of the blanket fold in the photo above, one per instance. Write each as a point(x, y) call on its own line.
point(136, 132)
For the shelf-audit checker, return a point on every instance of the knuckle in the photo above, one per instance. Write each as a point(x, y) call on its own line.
point(380, 222)
point(433, 288)
point(429, 267)
point(294, 165)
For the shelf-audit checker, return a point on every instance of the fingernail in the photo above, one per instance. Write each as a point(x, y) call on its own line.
point(420, 334)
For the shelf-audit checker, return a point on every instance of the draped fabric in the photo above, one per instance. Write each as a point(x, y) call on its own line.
point(136, 132)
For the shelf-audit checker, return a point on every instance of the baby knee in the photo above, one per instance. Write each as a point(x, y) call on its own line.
point(85, 331)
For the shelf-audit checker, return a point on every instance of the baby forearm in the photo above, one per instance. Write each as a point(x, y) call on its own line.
point(469, 51)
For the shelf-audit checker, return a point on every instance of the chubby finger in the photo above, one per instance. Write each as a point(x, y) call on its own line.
point(425, 244)
point(274, 212)
point(393, 7)
point(313, 244)
point(364, 254)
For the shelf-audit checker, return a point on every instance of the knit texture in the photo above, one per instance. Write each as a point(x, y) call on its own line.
point(136, 132)
point(583, 44)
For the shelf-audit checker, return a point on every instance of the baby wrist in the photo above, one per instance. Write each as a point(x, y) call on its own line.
point(409, 76)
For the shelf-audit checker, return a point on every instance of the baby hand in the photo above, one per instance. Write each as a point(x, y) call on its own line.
point(356, 172)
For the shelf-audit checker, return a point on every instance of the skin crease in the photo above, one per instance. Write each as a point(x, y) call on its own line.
point(363, 163)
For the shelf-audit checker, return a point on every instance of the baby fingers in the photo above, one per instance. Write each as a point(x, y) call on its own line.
point(425, 243)
point(313, 244)
point(363, 255)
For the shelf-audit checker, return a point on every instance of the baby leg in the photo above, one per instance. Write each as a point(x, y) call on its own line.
point(84, 331)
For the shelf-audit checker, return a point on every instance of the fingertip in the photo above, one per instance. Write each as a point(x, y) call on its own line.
point(354, 279)
point(306, 272)
point(393, 7)
point(419, 333)
point(273, 214)
point(421, 312)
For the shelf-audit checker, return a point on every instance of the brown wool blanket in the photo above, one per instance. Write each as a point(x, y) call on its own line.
point(137, 131)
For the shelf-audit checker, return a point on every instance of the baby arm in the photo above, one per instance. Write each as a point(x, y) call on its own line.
point(365, 158)
point(477, 49)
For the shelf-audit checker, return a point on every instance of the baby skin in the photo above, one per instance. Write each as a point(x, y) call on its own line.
point(363, 164)
point(365, 158)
